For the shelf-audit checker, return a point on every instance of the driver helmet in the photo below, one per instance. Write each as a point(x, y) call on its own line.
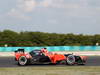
point(44, 50)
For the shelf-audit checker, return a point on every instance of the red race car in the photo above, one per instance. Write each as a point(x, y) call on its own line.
point(43, 56)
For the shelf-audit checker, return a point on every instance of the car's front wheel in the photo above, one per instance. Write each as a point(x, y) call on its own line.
point(22, 61)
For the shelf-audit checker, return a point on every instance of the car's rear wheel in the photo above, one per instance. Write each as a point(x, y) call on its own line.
point(22, 61)
point(70, 60)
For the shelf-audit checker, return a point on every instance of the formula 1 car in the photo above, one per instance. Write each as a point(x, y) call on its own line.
point(42, 57)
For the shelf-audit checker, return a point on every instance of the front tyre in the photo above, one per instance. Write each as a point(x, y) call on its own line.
point(22, 61)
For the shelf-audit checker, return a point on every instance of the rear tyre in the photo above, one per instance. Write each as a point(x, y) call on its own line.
point(22, 61)
point(70, 60)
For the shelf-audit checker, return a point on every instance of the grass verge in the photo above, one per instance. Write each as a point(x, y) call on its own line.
point(52, 70)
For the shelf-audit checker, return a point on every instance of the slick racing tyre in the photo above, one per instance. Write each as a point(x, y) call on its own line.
point(22, 61)
point(70, 60)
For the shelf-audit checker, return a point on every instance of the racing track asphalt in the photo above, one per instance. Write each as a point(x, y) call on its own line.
point(10, 62)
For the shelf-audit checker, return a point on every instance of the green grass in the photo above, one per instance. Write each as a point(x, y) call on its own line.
point(51, 70)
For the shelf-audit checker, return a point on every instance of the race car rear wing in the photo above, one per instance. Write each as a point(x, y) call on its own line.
point(20, 50)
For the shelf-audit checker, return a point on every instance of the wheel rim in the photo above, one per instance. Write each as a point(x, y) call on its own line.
point(70, 59)
point(22, 60)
